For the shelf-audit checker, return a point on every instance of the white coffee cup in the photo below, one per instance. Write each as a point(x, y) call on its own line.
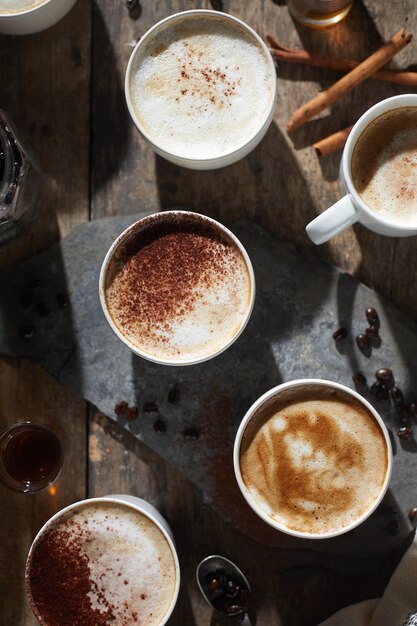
point(165, 217)
point(131, 502)
point(36, 18)
point(351, 208)
point(264, 401)
point(227, 157)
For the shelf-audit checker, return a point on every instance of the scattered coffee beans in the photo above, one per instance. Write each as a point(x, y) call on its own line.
point(384, 374)
point(362, 341)
point(412, 515)
point(340, 334)
point(372, 317)
point(227, 595)
point(359, 379)
point(405, 433)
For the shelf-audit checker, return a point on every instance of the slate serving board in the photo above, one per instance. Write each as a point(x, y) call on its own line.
point(50, 312)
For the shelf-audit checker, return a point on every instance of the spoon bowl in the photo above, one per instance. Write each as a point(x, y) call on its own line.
point(223, 586)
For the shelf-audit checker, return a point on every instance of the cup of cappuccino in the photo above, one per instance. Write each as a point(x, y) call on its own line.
point(23, 17)
point(312, 458)
point(109, 560)
point(201, 88)
point(177, 288)
point(378, 172)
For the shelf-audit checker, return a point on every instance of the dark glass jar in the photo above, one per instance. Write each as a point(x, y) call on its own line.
point(19, 182)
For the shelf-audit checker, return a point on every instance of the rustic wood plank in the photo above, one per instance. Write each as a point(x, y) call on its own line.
point(45, 89)
point(282, 185)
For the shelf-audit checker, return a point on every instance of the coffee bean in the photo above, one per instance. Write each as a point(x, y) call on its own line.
point(372, 331)
point(232, 590)
point(340, 334)
point(393, 527)
point(214, 585)
point(412, 515)
point(372, 316)
point(362, 341)
point(379, 389)
point(397, 396)
point(359, 379)
point(174, 396)
point(413, 409)
point(405, 433)
point(191, 434)
point(159, 427)
point(235, 611)
point(384, 374)
point(150, 407)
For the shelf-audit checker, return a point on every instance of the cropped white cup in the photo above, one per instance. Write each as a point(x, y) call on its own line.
point(275, 393)
point(131, 502)
point(351, 208)
point(35, 19)
point(102, 283)
point(228, 157)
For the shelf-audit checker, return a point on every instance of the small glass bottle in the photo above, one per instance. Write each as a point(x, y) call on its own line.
point(19, 182)
point(319, 13)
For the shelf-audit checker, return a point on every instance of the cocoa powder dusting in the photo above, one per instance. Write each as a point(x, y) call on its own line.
point(162, 270)
point(60, 583)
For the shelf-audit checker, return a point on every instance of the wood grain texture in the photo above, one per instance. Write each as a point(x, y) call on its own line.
point(44, 87)
point(282, 185)
point(45, 83)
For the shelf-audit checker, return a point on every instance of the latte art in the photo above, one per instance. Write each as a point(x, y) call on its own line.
point(18, 6)
point(315, 462)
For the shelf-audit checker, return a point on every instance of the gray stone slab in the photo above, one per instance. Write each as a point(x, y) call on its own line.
point(50, 312)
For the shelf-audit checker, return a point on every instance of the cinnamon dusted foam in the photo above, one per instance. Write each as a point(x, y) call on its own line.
point(201, 86)
point(314, 459)
point(102, 564)
point(177, 287)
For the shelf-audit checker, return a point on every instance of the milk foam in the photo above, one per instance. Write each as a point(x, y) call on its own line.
point(131, 564)
point(201, 87)
point(213, 314)
point(16, 6)
point(384, 165)
point(315, 466)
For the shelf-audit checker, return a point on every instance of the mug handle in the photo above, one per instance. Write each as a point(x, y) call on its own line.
point(338, 217)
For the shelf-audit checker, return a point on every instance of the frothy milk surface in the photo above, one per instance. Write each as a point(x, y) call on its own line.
point(201, 87)
point(17, 6)
point(110, 564)
point(314, 463)
point(384, 165)
point(178, 288)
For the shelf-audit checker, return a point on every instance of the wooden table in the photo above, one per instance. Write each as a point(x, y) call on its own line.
point(64, 89)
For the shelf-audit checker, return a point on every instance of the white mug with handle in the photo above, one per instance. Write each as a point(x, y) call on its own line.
point(351, 208)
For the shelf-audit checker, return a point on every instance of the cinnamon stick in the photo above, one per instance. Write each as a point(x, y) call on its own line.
point(356, 76)
point(332, 143)
point(315, 59)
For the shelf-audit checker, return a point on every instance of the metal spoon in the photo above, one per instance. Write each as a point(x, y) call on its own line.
point(209, 568)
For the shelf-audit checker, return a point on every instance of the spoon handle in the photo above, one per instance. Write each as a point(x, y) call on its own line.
point(246, 621)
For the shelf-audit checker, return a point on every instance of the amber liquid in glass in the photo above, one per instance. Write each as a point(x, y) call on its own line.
point(32, 454)
point(319, 13)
